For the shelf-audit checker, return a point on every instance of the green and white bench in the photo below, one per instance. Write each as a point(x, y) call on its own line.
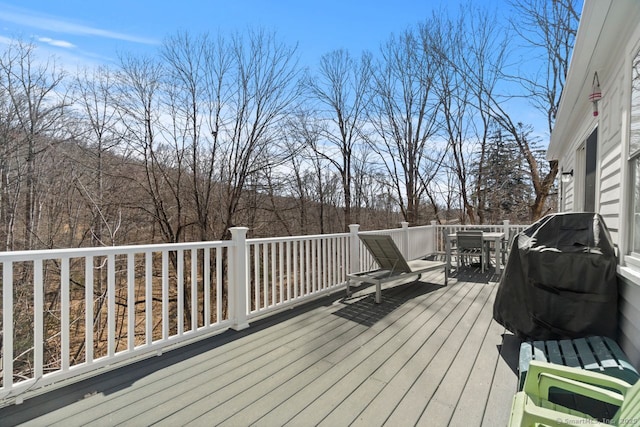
point(597, 354)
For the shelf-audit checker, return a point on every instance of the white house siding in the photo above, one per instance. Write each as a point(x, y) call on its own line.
point(608, 38)
point(610, 146)
point(568, 198)
point(629, 320)
point(608, 200)
point(609, 192)
point(568, 202)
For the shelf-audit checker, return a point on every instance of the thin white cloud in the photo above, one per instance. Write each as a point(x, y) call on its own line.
point(56, 43)
point(33, 20)
point(6, 40)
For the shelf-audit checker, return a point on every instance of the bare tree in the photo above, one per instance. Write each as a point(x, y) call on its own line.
point(95, 90)
point(306, 170)
point(36, 101)
point(341, 86)
point(458, 113)
point(198, 82)
point(548, 29)
point(141, 105)
point(262, 91)
point(11, 166)
point(471, 50)
point(370, 188)
point(404, 113)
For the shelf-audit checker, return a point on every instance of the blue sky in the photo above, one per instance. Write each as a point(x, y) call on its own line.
point(89, 31)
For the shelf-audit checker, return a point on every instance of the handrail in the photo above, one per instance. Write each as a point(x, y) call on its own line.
point(67, 312)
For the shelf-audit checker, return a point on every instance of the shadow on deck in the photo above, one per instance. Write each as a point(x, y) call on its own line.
point(428, 355)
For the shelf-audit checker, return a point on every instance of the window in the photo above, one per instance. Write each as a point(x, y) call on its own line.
point(584, 174)
point(634, 149)
point(591, 160)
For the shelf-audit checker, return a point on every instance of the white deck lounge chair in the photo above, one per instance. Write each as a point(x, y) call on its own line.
point(392, 264)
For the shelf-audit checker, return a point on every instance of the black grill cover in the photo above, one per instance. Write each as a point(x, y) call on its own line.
point(560, 280)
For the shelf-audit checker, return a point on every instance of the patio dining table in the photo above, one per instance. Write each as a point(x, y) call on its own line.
point(496, 236)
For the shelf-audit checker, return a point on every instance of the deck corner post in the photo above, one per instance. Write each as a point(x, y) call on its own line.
point(238, 278)
point(405, 239)
point(434, 237)
point(354, 248)
point(506, 224)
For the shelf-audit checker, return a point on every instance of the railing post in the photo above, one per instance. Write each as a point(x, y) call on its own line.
point(405, 239)
point(354, 248)
point(7, 325)
point(506, 242)
point(434, 237)
point(238, 279)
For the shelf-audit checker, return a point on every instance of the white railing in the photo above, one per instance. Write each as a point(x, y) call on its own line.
point(289, 270)
point(415, 242)
point(77, 311)
point(71, 311)
point(509, 230)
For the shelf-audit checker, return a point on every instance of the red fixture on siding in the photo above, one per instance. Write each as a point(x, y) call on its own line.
point(596, 94)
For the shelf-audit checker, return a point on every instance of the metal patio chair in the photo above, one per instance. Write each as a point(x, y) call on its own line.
point(471, 243)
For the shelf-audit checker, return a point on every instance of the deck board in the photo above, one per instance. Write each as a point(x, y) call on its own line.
point(431, 379)
point(374, 359)
point(471, 405)
point(442, 405)
point(428, 355)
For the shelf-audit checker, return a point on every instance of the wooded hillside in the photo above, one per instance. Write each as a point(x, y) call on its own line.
point(216, 131)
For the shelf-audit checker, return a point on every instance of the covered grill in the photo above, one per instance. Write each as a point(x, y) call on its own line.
point(560, 280)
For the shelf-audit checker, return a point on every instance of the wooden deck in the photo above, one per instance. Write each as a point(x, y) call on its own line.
point(428, 355)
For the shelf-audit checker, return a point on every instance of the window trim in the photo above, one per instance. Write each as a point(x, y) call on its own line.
point(632, 256)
